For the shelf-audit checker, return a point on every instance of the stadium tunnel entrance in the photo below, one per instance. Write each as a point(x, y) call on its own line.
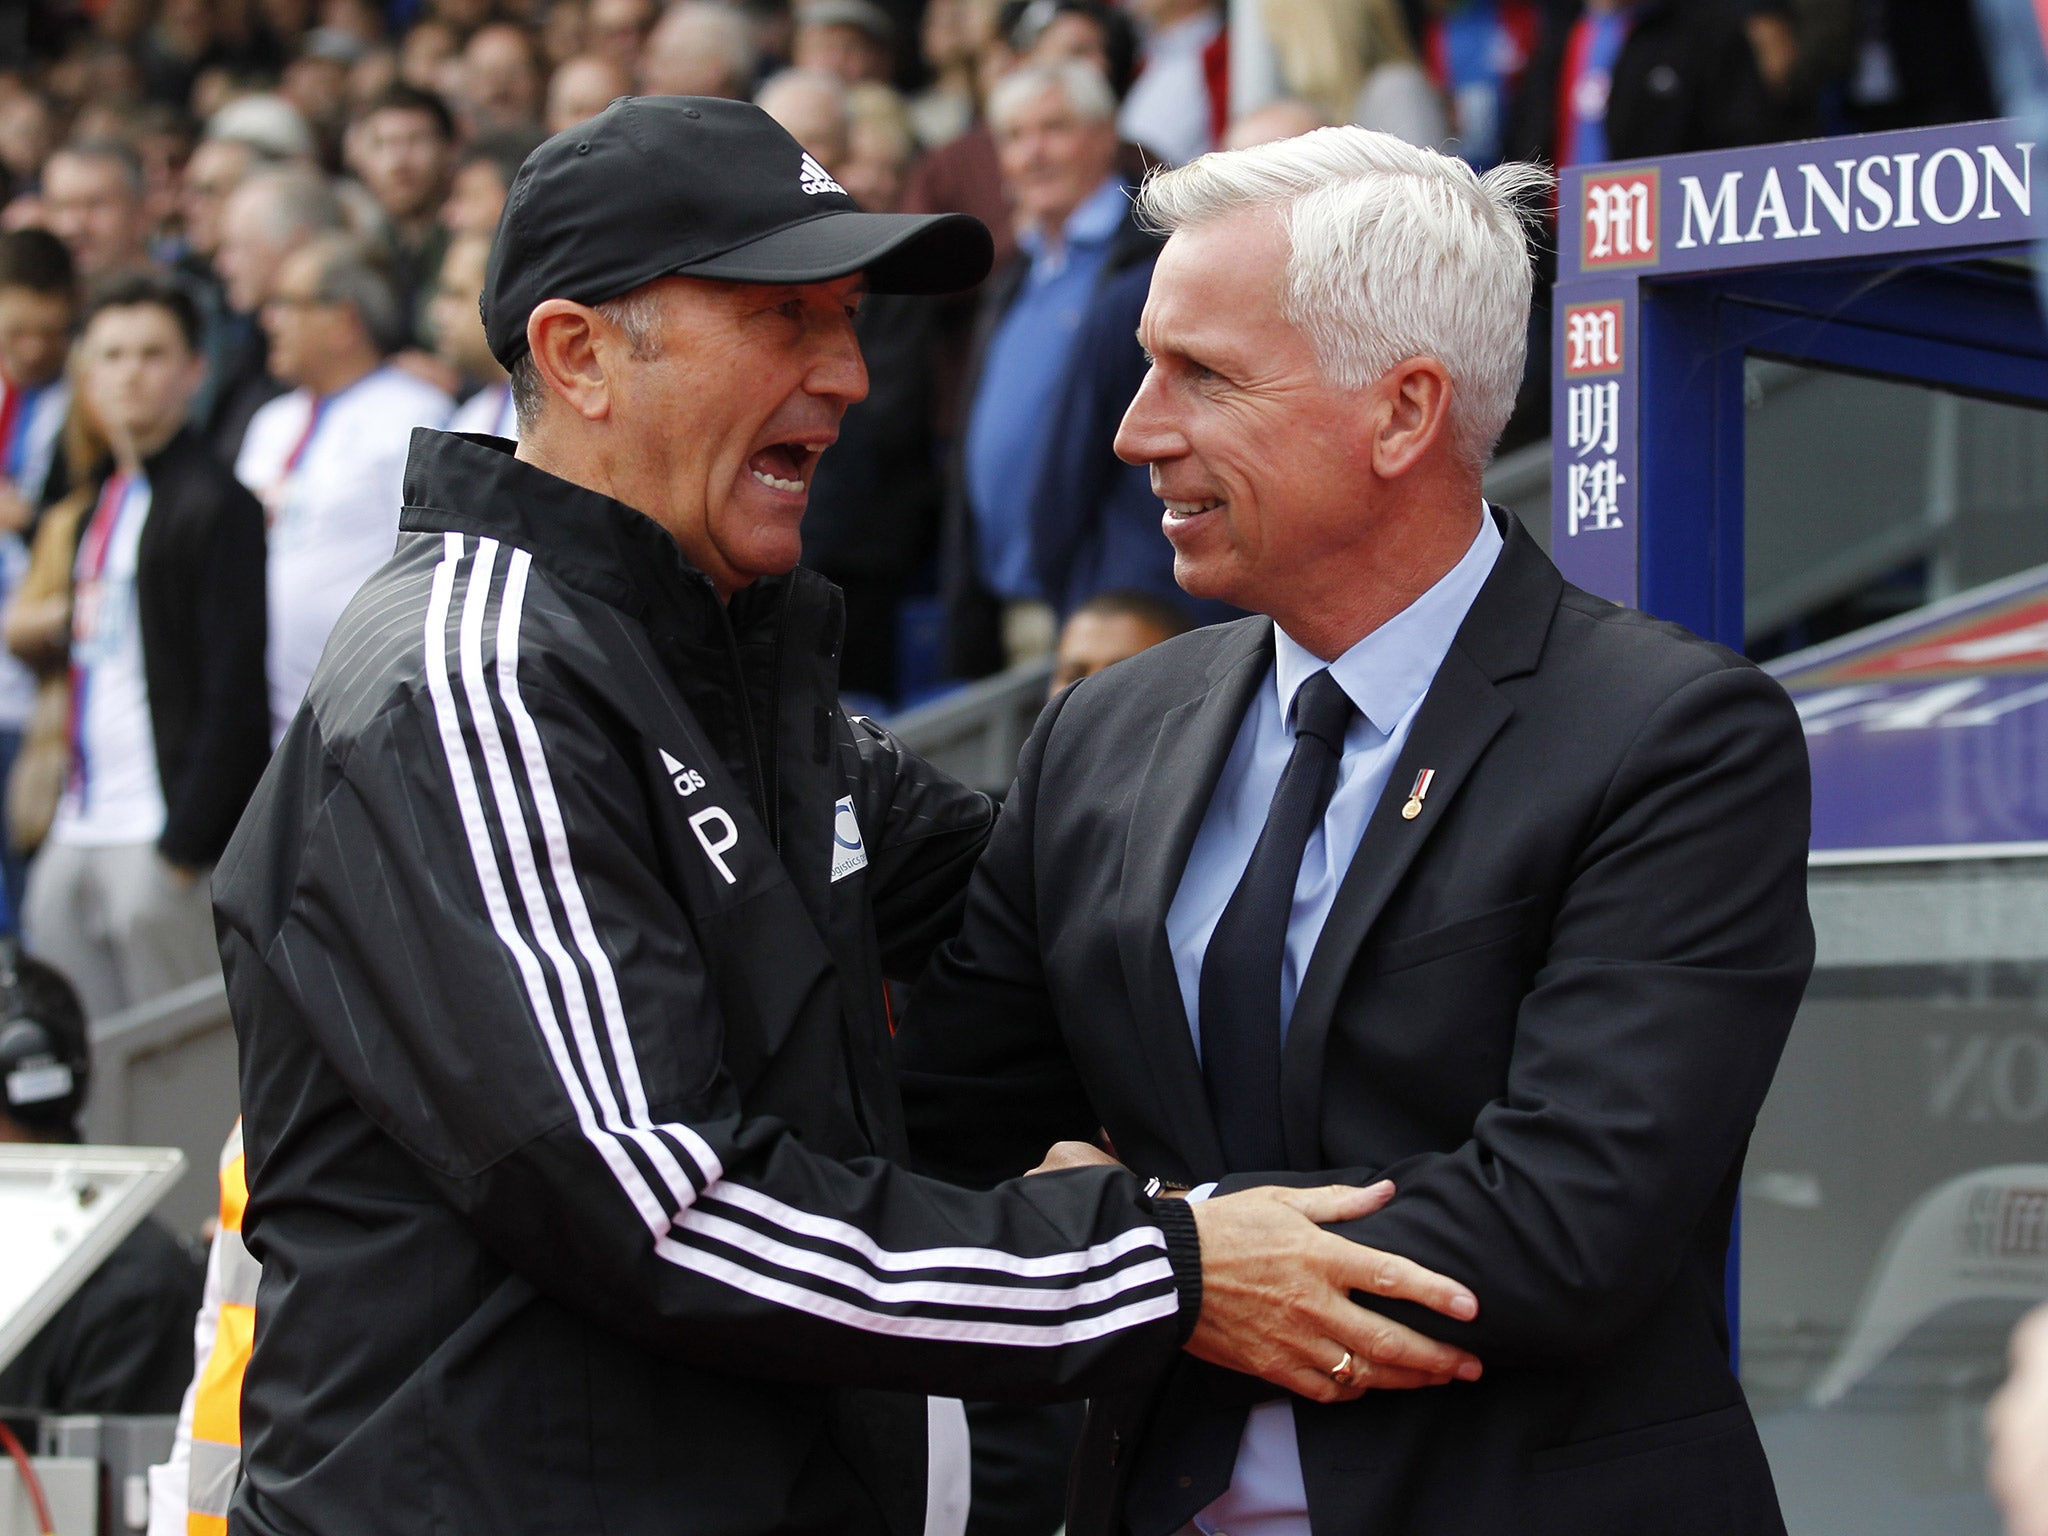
point(1800, 405)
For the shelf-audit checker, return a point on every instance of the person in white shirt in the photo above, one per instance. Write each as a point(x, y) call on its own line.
point(1173, 106)
point(164, 646)
point(460, 343)
point(328, 460)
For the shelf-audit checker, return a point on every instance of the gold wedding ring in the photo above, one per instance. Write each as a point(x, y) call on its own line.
point(1340, 1373)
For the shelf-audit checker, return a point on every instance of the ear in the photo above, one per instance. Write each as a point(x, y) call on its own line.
point(563, 337)
point(1410, 415)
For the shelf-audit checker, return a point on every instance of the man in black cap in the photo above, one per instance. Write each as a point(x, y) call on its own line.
point(556, 939)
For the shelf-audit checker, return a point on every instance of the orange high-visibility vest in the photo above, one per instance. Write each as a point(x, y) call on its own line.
point(217, 1401)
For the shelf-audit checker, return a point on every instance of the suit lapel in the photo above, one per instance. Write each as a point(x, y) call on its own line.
point(1501, 637)
point(1180, 776)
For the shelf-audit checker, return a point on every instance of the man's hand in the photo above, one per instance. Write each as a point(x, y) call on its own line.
point(1276, 1294)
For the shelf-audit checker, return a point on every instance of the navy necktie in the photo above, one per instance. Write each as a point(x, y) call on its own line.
point(1240, 997)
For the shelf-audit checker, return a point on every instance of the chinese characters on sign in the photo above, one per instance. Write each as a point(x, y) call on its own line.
point(1593, 477)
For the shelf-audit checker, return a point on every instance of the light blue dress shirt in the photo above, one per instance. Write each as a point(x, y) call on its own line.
point(1386, 675)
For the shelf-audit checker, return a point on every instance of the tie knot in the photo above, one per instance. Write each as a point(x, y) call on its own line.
point(1323, 709)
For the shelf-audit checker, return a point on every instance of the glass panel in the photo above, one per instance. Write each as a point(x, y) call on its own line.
point(1865, 498)
point(1895, 1205)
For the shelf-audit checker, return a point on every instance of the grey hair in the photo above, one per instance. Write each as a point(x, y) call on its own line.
point(705, 26)
point(296, 202)
point(1395, 252)
point(353, 274)
point(1081, 83)
point(113, 152)
point(637, 314)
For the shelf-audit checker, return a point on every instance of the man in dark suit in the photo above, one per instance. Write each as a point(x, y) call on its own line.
point(1445, 872)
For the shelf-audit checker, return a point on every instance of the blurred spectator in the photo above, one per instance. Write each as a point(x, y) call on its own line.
point(1477, 51)
point(1917, 62)
point(168, 708)
point(374, 74)
point(698, 48)
point(1111, 627)
point(1181, 100)
point(881, 143)
point(617, 30)
point(28, 132)
point(584, 87)
point(425, 57)
point(268, 217)
point(38, 299)
point(1282, 119)
point(459, 340)
point(268, 124)
point(177, 45)
point(404, 152)
point(1611, 81)
point(1055, 129)
point(811, 105)
point(123, 1342)
point(328, 460)
point(942, 111)
point(316, 83)
point(501, 80)
point(561, 33)
point(853, 39)
point(216, 168)
point(873, 509)
point(483, 175)
point(1353, 61)
point(1049, 31)
point(92, 197)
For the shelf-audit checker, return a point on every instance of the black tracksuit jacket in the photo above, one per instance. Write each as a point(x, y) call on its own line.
point(555, 938)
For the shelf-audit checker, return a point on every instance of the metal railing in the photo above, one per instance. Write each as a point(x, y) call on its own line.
point(976, 733)
point(163, 1075)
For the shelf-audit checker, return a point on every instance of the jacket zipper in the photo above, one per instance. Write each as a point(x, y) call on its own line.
point(762, 803)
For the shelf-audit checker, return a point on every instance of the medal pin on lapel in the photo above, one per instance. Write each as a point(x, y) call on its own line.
point(1416, 795)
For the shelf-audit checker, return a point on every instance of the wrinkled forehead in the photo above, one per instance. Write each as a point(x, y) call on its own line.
point(1218, 278)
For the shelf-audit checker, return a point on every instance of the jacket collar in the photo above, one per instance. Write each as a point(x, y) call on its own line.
point(469, 483)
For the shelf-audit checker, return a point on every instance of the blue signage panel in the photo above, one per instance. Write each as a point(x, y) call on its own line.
point(1931, 732)
point(1593, 413)
point(1928, 189)
point(1624, 227)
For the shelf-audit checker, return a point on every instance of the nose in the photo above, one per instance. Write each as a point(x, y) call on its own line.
point(838, 371)
point(1148, 434)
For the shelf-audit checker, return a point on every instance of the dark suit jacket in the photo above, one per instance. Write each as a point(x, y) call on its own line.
point(1548, 1007)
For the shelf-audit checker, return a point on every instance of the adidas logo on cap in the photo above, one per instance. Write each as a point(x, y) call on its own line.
point(816, 178)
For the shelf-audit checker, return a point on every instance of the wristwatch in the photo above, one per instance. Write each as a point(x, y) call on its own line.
point(1156, 1187)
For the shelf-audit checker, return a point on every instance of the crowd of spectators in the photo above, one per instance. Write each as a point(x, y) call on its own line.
point(241, 243)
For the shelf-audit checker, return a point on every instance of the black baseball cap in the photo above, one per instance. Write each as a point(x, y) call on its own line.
point(666, 186)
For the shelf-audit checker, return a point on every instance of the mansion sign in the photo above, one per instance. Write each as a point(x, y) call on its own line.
point(1821, 199)
point(1626, 229)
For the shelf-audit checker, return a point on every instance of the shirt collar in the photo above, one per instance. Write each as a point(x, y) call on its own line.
point(1094, 223)
point(1385, 673)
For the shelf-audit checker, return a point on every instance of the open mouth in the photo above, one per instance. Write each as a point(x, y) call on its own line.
point(785, 467)
point(1181, 511)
